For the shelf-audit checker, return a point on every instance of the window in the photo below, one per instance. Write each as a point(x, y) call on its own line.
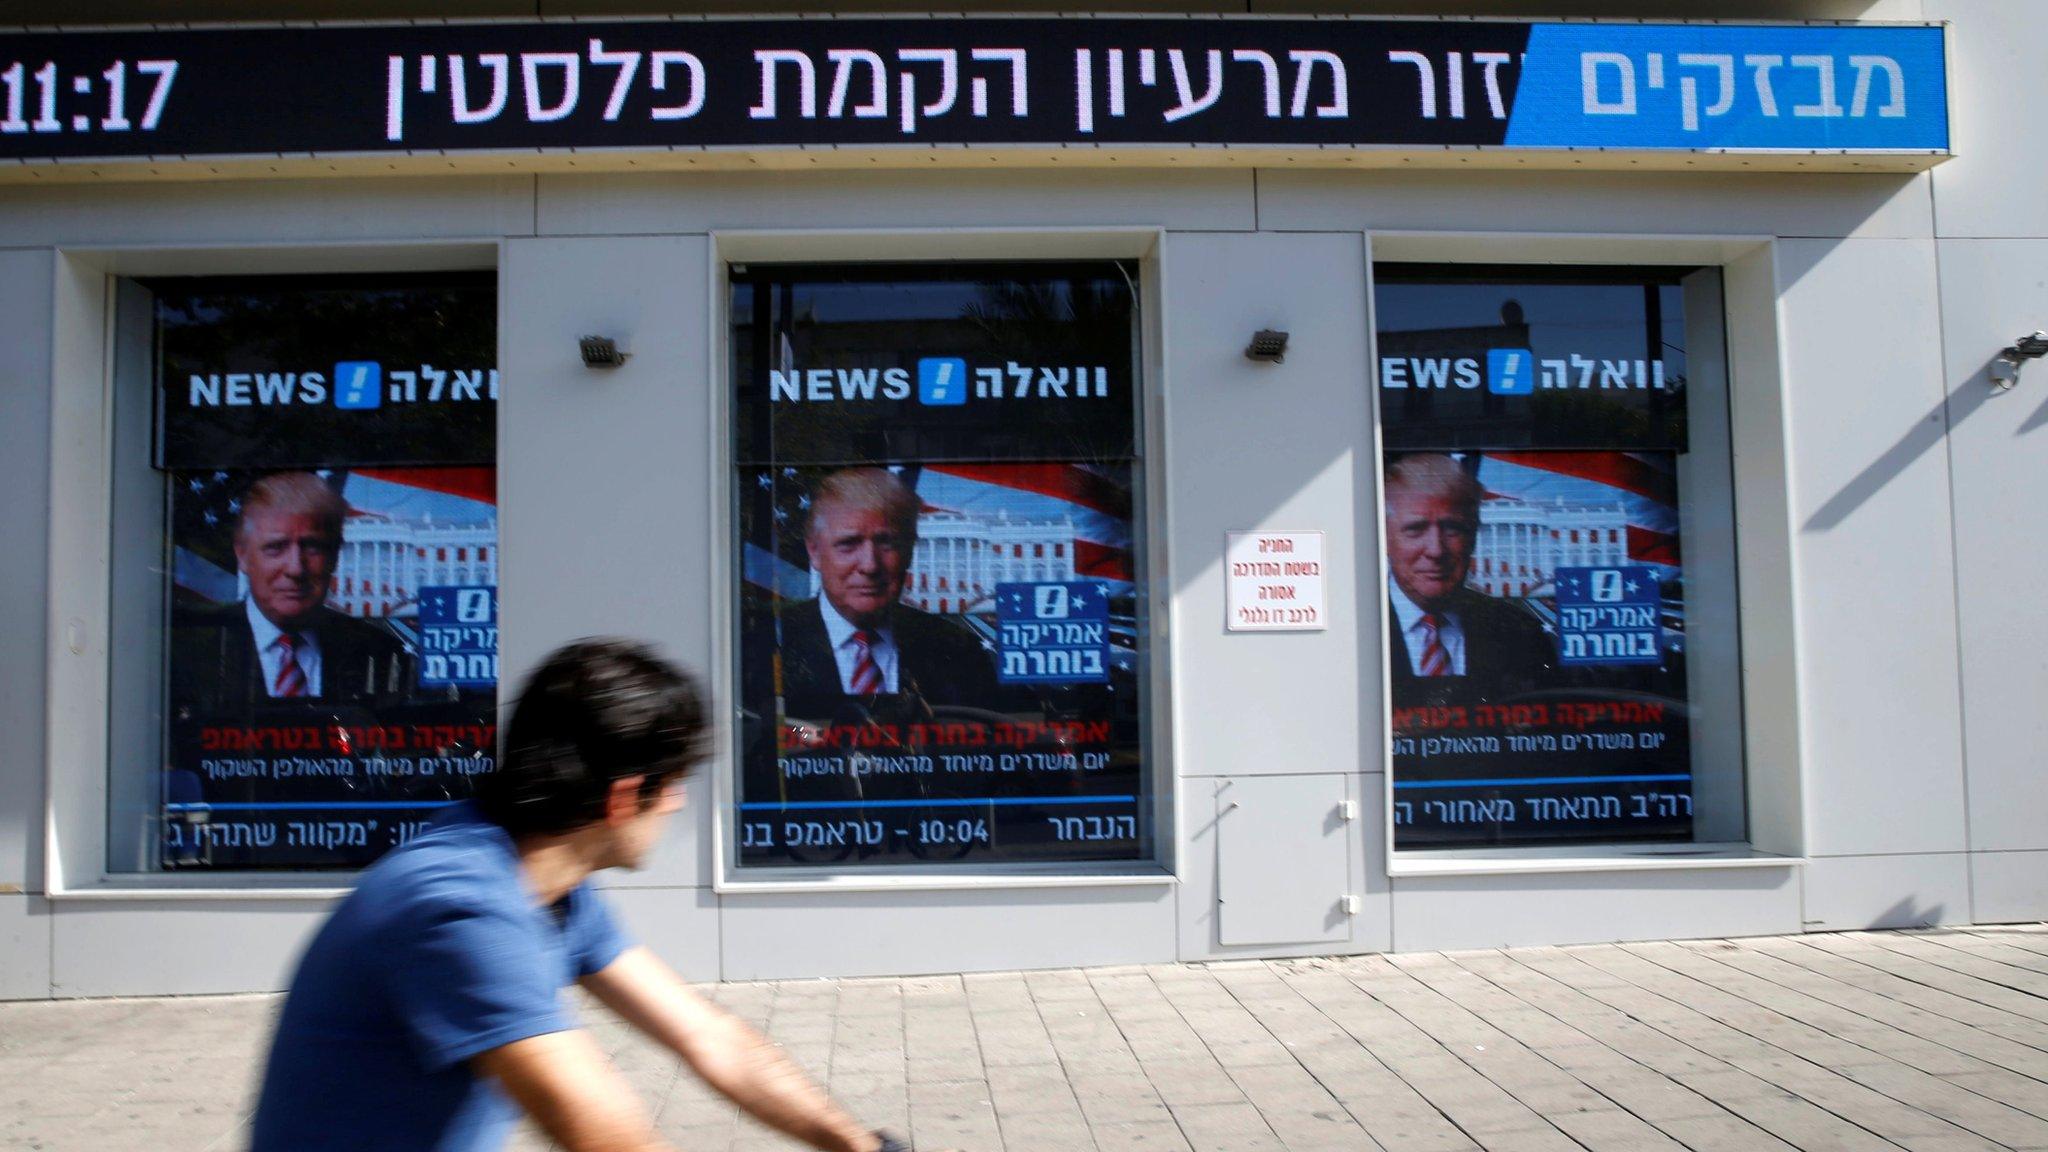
point(1546, 421)
point(297, 687)
point(893, 425)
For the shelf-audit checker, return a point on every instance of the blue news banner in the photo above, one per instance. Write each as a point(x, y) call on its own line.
point(1053, 633)
point(458, 637)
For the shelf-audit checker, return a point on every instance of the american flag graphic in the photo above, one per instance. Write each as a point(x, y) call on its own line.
point(1643, 484)
point(205, 506)
point(1095, 499)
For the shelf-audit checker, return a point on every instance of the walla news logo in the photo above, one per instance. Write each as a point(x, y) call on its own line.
point(353, 385)
point(939, 382)
point(1517, 372)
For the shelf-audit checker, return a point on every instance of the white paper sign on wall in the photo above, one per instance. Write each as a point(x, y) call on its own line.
point(1274, 582)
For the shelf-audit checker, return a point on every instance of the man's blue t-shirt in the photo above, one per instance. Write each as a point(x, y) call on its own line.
point(438, 955)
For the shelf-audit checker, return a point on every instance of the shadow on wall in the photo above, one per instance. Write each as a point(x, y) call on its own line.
point(1959, 405)
point(1904, 914)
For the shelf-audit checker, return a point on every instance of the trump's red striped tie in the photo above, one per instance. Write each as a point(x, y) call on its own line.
point(291, 679)
point(866, 677)
point(1435, 661)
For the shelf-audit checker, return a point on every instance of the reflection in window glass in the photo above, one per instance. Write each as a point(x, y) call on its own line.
point(941, 594)
point(329, 661)
point(1539, 478)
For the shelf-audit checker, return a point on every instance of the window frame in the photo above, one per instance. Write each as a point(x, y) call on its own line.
point(1773, 764)
point(1142, 246)
point(86, 380)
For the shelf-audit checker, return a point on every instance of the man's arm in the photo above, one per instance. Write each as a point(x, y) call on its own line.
point(563, 1081)
point(731, 1057)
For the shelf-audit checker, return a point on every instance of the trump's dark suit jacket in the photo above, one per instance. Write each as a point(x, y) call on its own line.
point(1506, 651)
point(214, 666)
point(938, 661)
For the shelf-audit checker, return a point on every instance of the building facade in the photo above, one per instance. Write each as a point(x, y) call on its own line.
point(1801, 483)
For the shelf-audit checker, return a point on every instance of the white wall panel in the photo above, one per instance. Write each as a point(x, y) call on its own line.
point(1277, 447)
point(26, 315)
point(24, 947)
point(2008, 887)
point(179, 947)
point(680, 925)
point(1997, 89)
point(1365, 841)
point(1282, 860)
point(1992, 293)
point(1844, 892)
point(1874, 570)
point(259, 211)
point(1010, 198)
point(772, 937)
point(605, 520)
point(1592, 907)
point(1596, 202)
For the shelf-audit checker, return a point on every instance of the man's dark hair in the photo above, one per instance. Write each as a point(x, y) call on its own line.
point(597, 710)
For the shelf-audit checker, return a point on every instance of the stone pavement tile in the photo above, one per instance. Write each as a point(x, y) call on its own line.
point(755, 1138)
point(1408, 1126)
point(966, 1133)
point(1644, 1093)
point(1226, 1128)
point(1542, 1139)
point(1198, 1081)
point(883, 1111)
point(1046, 1133)
point(2022, 1092)
point(1955, 1142)
point(1147, 1136)
point(1252, 1053)
point(952, 1066)
point(1059, 986)
point(1299, 1110)
point(1352, 1076)
point(1805, 1126)
point(712, 1138)
point(120, 1133)
point(1987, 1118)
point(1722, 1133)
point(1119, 1100)
point(1615, 1131)
point(1025, 1091)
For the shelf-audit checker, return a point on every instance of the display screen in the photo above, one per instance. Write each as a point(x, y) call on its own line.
point(331, 655)
point(1534, 425)
point(941, 626)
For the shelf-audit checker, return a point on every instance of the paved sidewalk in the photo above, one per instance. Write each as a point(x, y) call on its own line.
point(1931, 1041)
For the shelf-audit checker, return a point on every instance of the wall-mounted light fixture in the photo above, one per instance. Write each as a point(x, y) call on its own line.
point(2005, 367)
point(1267, 346)
point(600, 352)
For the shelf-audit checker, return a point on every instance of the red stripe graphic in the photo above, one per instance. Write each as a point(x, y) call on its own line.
point(1614, 469)
point(475, 483)
point(1091, 559)
point(1059, 481)
point(1652, 547)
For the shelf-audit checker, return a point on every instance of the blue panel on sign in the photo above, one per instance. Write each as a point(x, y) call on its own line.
point(358, 384)
point(458, 636)
point(1510, 371)
point(942, 380)
point(1053, 633)
point(1732, 88)
point(1608, 616)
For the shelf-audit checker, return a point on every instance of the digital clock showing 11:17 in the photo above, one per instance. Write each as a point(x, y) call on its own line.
point(36, 92)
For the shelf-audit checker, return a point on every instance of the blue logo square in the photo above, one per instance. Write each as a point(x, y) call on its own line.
point(358, 384)
point(941, 380)
point(1510, 371)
